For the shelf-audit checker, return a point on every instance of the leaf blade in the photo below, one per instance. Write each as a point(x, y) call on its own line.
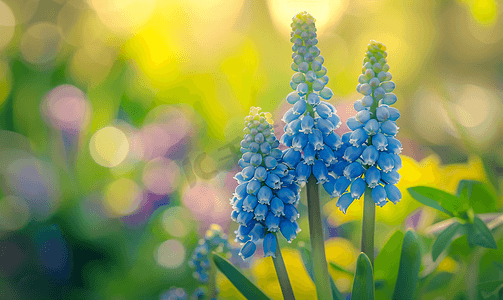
point(340, 268)
point(435, 198)
point(408, 272)
point(387, 269)
point(479, 234)
point(243, 284)
point(444, 239)
point(363, 284)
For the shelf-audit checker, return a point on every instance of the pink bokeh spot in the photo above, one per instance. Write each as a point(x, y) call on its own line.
point(66, 108)
point(161, 176)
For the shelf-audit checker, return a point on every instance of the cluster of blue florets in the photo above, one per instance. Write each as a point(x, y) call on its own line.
point(265, 201)
point(311, 121)
point(215, 240)
point(371, 151)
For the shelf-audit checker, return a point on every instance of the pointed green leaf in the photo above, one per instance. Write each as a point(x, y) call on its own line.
point(480, 196)
point(444, 239)
point(363, 284)
point(490, 289)
point(408, 272)
point(386, 265)
point(479, 234)
point(243, 284)
point(340, 268)
point(440, 281)
point(306, 260)
point(436, 198)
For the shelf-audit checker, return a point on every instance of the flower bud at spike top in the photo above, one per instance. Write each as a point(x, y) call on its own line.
point(372, 148)
point(318, 118)
point(214, 240)
point(265, 200)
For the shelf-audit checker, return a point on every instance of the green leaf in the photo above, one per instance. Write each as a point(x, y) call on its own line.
point(408, 272)
point(245, 286)
point(306, 260)
point(444, 239)
point(340, 268)
point(363, 284)
point(479, 234)
point(490, 289)
point(440, 281)
point(386, 265)
point(480, 196)
point(436, 198)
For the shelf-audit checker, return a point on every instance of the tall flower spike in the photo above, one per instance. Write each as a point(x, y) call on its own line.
point(371, 147)
point(312, 120)
point(266, 198)
point(214, 240)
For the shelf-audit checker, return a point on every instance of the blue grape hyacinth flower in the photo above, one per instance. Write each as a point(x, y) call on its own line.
point(310, 123)
point(215, 240)
point(371, 150)
point(265, 200)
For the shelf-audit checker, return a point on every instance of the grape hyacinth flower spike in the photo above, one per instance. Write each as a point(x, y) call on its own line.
point(266, 198)
point(371, 150)
point(314, 148)
point(215, 240)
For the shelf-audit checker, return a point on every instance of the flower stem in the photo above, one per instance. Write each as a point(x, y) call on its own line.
point(212, 279)
point(284, 281)
point(320, 266)
point(368, 225)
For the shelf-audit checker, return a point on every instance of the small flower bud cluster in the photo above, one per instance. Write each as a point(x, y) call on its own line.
point(371, 151)
point(174, 293)
point(311, 121)
point(265, 201)
point(215, 240)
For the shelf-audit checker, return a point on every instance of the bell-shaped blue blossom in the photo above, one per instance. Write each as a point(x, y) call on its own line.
point(344, 202)
point(303, 172)
point(266, 195)
point(320, 172)
point(371, 149)
point(289, 230)
point(270, 245)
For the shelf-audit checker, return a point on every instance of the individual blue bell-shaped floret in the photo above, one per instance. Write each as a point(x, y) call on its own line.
point(393, 193)
point(327, 155)
point(244, 218)
point(385, 162)
point(299, 141)
point(358, 188)
point(261, 211)
point(270, 245)
point(272, 222)
point(273, 181)
point(277, 207)
point(382, 113)
point(320, 172)
point(380, 142)
point(370, 155)
point(289, 229)
point(341, 185)
point(248, 250)
point(323, 111)
point(372, 177)
point(371, 127)
point(352, 153)
point(281, 170)
point(313, 99)
point(379, 195)
point(333, 140)
point(303, 172)
point(389, 128)
point(394, 145)
point(249, 203)
point(248, 173)
point(358, 137)
point(398, 161)
point(300, 107)
point(353, 170)
point(270, 162)
point(256, 160)
point(240, 191)
point(293, 97)
point(363, 116)
point(326, 127)
point(338, 167)
point(261, 173)
point(264, 195)
point(257, 233)
point(344, 202)
point(253, 187)
point(309, 155)
point(390, 177)
point(291, 158)
point(315, 138)
point(287, 195)
point(291, 213)
point(353, 123)
point(307, 124)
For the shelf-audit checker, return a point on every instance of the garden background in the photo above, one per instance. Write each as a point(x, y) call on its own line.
point(120, 123)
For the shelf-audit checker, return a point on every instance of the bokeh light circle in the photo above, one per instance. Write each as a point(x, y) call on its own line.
point(326, 13)
point(41, 43)
point(170, 254)
point(7, 25)
point(109, 146)
point(14, 213)
point(123, 197)
point(177, 221)
point(67, 108)
point(161, 175)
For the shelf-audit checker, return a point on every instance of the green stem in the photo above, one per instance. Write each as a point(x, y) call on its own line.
point(320, 266)
point(368, 225)
point(212, 279)
point(284, 281)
